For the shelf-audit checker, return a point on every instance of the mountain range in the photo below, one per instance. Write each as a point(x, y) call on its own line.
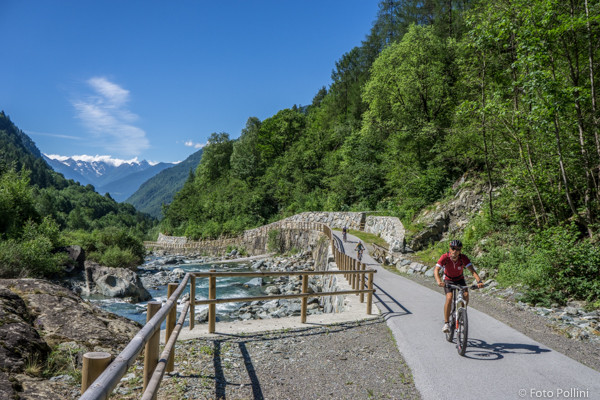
point(147, 186)
point(119, 178)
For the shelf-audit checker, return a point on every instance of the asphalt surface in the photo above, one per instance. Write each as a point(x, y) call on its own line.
point(500, 362)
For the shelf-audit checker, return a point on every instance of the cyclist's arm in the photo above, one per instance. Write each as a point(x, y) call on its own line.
point(476, 276)
point(436, 274)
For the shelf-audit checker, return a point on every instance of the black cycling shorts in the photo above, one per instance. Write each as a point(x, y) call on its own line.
point(460, 282)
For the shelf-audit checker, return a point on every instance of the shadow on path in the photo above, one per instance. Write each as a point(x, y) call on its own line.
point(390, 303)
point(256, 390)
point(479, 349)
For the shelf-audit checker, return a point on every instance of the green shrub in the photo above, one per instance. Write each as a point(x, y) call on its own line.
point(113, 247)
point(275, 241)
point(31, 258)
point(116, 257)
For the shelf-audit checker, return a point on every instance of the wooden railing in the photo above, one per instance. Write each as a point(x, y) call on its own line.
point(380, 253)
point(99, 377)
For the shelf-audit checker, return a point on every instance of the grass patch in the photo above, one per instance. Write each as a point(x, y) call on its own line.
point(368, 238)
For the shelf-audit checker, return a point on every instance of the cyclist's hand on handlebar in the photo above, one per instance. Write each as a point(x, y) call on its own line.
point(480, 285)
point(441, 284)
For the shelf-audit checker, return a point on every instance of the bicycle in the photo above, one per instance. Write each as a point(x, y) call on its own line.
point(344, 235)
point(459, 320)
point(360, 254)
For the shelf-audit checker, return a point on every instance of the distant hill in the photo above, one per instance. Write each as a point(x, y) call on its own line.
point(117, 177)
point(18, 150)
point(122, 188)
point(161, 188)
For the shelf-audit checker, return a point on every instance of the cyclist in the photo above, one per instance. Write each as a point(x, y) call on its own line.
point(344, 232)
point(359, 250)
point(453, 263)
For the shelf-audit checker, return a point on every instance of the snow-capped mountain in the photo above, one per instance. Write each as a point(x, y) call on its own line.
point(120, 178)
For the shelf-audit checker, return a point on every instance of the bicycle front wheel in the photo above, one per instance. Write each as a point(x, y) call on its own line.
point(462, 334)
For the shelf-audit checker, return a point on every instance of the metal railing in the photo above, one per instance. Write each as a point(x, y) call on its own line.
point(99, 380)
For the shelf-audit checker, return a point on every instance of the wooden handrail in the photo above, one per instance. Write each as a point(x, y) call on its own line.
point(106, 382)
point(159, 371)
point(275, 273)
point(282, 296)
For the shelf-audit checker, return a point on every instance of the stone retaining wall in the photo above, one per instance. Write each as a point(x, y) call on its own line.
point(171, 239)
point(254, 241)
point(389, 229)
point(335, 220)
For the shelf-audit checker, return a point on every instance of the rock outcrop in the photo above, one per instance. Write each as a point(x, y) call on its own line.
point(448, 218)
point(39, 318)
point(114, 282)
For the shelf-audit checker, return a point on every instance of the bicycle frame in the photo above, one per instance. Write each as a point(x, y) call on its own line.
point(458, 317)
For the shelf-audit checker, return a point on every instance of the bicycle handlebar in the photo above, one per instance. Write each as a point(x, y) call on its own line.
point(460, 287)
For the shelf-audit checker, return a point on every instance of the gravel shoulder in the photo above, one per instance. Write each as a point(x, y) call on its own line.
point(352, 360)
point(534, 326)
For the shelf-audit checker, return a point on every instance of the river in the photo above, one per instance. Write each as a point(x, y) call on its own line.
point(226, 287)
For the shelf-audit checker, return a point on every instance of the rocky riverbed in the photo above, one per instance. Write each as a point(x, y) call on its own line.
point(160, 271)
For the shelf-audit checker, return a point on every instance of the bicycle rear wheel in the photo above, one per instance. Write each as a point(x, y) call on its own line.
point(462, 335)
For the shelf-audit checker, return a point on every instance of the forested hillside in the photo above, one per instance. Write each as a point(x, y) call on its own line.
point(41, 211)
point(161, 188)
point(505, 90)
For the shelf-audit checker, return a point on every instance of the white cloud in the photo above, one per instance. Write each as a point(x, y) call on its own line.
point(190, 143)
point(105, 114)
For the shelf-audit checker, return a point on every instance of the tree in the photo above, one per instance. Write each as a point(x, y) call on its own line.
point(215, 158)
point(245, 157)
point(17, 205)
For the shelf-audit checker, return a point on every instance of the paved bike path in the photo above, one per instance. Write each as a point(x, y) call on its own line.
point(500, 362)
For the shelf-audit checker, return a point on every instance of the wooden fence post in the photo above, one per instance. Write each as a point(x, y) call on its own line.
point(354, 276)
point(304, 299)
point(192, 301)
point(212, 308)
point(370, 294)
point(171, 319)
point(94, 363)
point(362, 282)
point(152, 348)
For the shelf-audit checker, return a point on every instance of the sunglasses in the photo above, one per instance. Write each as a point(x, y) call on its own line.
point(455, 248)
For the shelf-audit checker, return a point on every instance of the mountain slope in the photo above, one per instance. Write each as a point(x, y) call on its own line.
point(122, 188)
point(161, 188)
point(19, 151)
point(67, 171)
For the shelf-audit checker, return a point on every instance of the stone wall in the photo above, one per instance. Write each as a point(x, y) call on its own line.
point(255, 241)
point(335, 220)
point(171, 239)
point(389, 229)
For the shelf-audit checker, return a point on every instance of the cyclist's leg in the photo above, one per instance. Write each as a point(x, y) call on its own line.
point(447, 306)
point(463, 282)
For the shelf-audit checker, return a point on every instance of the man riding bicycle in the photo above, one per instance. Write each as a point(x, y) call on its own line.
point(344, 232)
point(359, 249)
point(453, 264)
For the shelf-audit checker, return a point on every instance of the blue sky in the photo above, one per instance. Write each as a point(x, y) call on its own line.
point(153, 79)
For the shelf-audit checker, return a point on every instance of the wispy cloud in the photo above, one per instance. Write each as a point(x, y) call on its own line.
point(190, 143)
point(56, 135)
point(105, 114)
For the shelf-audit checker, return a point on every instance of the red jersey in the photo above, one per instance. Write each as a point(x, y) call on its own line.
point(453, 270)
